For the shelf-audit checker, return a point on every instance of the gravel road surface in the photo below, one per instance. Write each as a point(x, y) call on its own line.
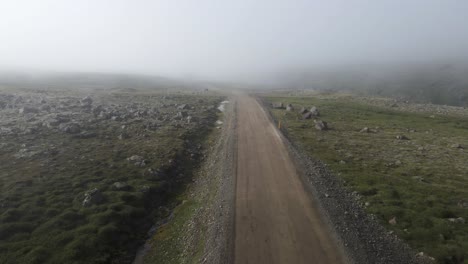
point(276, 221)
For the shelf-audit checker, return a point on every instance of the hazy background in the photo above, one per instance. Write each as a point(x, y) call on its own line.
point(282, 42)
point(215, 38)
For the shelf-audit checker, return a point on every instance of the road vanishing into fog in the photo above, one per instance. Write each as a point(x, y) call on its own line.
point(276, 220)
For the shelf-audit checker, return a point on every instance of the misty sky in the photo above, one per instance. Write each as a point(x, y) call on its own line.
point(213, 38)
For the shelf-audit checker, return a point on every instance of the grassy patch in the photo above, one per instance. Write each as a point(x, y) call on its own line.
point(423, 181)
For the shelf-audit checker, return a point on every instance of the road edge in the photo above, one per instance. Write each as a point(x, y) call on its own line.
point(220, 212)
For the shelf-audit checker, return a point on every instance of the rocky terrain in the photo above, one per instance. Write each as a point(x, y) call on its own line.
point(84, 176)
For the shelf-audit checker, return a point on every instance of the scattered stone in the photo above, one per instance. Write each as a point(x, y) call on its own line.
point(135, 158)
point(92, 197)
point(183, 107)
point(402, 137)
point(303, 110)
point(418, 178)
point(45, 108)
point(457, 146)
point(181, 114)
point(71, 128)
point(320, 125)
point(314, 111)
point(86, 135)
point(154, 175)
point(138, 160)
point(279, 105)
point(120, 186)
point(364, 130)
point(145, 189)
point(98, 110)
point(87, 101)
point(116, 118)
point(459, 220)
point(25, 153)
point(307, 115)
point(462, 204)
point(123, 136)
point(28, 110)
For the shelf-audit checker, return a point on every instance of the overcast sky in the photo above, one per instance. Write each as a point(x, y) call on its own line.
point(215, 38)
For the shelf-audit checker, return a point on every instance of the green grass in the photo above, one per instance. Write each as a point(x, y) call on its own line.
point(419, 181)
point(42, 219)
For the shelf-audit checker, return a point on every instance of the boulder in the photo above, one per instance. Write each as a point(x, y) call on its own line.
point(181, 115)
point(145, 189)
point(183, 107)
point(307, 115)
point(92, 197)
point(45, 108)
point(97, 110)
point(364, 130)
point(6, 131)
point(120, 186)
point(86, 101)
point(462, 204)
point(28, 110)
point(138, 160)
point(135, 158)
point(278, 105)
point(85, 135)
point(418, 178)
point(459, 220)
point(457, 146)
point(320, 125)
point(402, 137)
point(289, 107)
point(123, 136)
point(314, 111)
point(71, 128)
point(51, 122)
point(392, 221)
point(154, 175)
point(303, 110)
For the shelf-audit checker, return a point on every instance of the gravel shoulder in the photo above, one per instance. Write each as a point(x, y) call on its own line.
point(206, 236)
point(218, 214)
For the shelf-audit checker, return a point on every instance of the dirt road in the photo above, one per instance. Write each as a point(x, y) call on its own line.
point(276, 220)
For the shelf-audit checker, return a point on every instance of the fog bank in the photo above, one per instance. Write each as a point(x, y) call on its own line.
point(226, 40)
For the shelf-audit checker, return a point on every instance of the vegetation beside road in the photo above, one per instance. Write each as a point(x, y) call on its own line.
point(417, 187)
point(45, 173)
